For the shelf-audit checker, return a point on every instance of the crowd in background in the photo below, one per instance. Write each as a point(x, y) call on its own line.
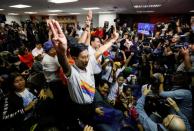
point(141, 82)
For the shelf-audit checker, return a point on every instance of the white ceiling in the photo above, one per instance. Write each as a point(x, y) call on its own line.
point(122, 6)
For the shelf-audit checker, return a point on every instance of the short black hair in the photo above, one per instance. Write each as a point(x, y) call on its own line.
point(12, 78)
point(120, 75)
point(76, 49)
point(94, 37)
point(22, 50)
point(103, 81)
point(125, 87)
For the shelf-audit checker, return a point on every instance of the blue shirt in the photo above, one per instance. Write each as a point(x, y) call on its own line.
point(145, 120)
point(183, 99)
point(150, 125)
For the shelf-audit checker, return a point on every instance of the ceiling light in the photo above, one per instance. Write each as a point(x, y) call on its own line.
point(20, 6)
point(74, 13)
point(54, 11)
point(30, 12)
point(147, 6)
point(52, 14)
point(104, 12)
point(1, 9)
point(62, 1)
point(145, 11)
point(191, 11)
point(13, 14)
point(91, 8)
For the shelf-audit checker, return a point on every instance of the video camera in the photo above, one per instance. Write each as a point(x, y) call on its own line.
point(165, 37)
point(155, 103)
point(177, 47)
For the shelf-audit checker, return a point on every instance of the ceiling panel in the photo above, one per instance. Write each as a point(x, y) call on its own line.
point(118, 6)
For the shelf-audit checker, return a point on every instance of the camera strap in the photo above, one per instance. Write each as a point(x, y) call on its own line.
point(159, 127)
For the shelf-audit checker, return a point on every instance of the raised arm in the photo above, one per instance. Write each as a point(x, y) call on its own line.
point(60, 44)
point(187, 59)
point(85, 37)
point(174, 105)
point(128, 59)
point(107, 44)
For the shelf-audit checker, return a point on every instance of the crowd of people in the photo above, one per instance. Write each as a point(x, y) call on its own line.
point(102, 79)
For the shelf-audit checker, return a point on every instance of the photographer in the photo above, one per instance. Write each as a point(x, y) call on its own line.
point(170, 122)
point(180, 92)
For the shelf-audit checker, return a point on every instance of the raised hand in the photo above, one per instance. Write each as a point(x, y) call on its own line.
point(173, 104)
point(184, 51)
point(89, 17)
point(59, 39)
point(146, 90)
point(88, 128)
point(115, 34)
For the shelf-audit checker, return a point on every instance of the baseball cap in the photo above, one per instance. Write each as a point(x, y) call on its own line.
point(47, 45)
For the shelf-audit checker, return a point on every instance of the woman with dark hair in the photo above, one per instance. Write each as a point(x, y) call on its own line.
point(18, 106)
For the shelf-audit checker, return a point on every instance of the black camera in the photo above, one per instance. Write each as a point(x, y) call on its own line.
point(177, 47)
point(155, 103)
point(165, 37)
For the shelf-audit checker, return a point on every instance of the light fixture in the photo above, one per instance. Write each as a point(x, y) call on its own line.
point(145, 11)
point(20, 6)
point(104, 12)
point(62, 1)
point(1, 9)
point(74, 13)
point(30, 12)
point(91, 8)
point(13, 14)
point(54, 11)
point(147, 6)
point(191, 11)
point(53, 14)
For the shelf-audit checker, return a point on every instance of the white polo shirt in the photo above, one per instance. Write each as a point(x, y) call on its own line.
point(51, 68)
point(81, 83)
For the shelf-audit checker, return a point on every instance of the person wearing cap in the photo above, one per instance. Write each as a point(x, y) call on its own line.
point(54, 80)
point(50, 62)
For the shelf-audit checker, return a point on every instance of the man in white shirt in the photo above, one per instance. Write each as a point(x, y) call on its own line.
point(50, 63)
point(81, 82)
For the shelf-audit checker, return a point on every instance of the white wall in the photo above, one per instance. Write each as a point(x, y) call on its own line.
point(98, 19)
point(18, 19)
point(106, 17)
point(24, 17)
point(82, 18)
point(10, 18)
